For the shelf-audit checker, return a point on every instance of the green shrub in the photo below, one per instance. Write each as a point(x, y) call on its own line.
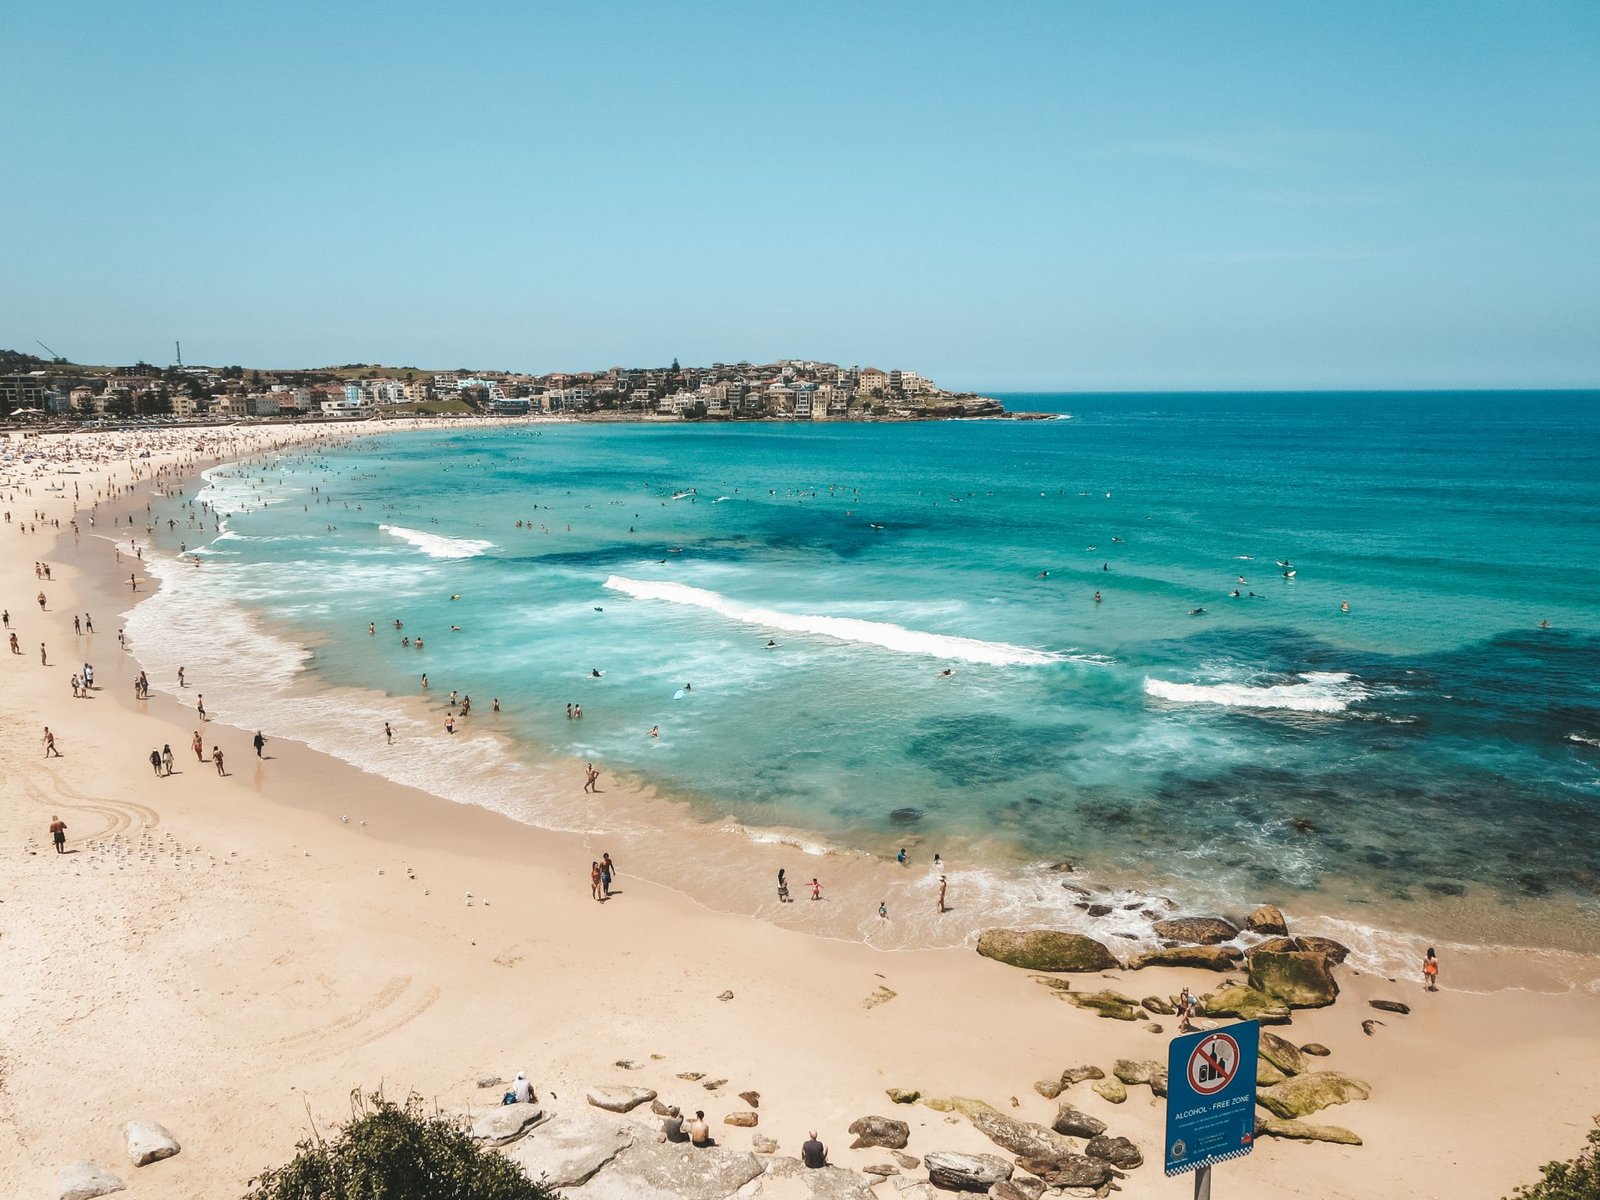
point(391, 1151)
point(1575, 1180)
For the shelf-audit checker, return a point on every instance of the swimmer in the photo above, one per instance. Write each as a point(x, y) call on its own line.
point(594, 673)
point(655, 731)
point(1344, 606)
point(455, 629)
point(1234, 593)
point(1042, 575)
point(946, 673)
point(1544, 624)
point(1097, 598)
point(457, 596)
point(1195, 612)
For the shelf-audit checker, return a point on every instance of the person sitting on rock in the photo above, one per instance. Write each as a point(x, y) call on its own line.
point(699, 1131)
point(813, 1153)
point(672, 1128)
point(521, 1089)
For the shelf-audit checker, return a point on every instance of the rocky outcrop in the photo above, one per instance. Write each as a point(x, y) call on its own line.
point(1113, 1091)
point(1118, 1151)
point(1308, 1093)
point(650, 1170)
point(570, 1148)
point(743, 1120)
point(1146, 1071)
point(879, 1131)
point(619, 1099)
point(1072, 1123)
point(1281, 1053)
point(1022, 1138)
point(1247, 1004)
point(1203, 958)
point(965, 1172)
point(84, 1180)
point(148, 1142)
point(1301, 1131)
point(1045, 950)
point(821, 1183)
point(505, 1123)
point(1334, 952)
point(1071, 1171)
point(1267, 920)
point(1109, 1004)
point(1299, 978)
point(1202, 931)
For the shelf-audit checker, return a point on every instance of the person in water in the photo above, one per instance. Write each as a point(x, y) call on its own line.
point(1430, 971)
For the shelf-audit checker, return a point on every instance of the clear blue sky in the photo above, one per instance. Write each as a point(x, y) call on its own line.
point(1000, 195)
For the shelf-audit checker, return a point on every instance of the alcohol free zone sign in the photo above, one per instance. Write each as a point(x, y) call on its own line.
point(1211, 1097)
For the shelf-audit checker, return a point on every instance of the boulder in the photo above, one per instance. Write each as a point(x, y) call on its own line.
point(1109, 1004)
point(903, 1095)
point(1022, 1138)
point(1118, 1151)
point(1072, 1123)
point(1267, 920)
point(965, 1172)
point(1155, 1004)
point(1276, 945)
point(149, 1142)
point(753, 1099)
point(1016, 1188)
point(1146, 1071)
point(1247, 1004)
point(1267, 1074)
point(824, 1183)
point(1315, 1049)
point(619, 1099)
point(84, 1180)
point(570, 1148)
point(1113, 1091)
point(1048, 1088)
point(1283, 1054)
point(1302, 1132)
point(505, 1123)
point(1203, 958)
point(1074, 1075)
point(744, 1120)
point(1334, 952)
point(1203, 931)
point(762, 1144)
point(1073, 1171)
point(651, 1170)
point(1305, 1094)
point(879, 1131)
point(1299, 978)
point(1045, 950)
point(1394, 1006)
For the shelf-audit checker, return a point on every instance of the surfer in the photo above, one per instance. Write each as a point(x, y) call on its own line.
point(594, 673)
point(1544, 624)
point(1344, 606)
point(1234, 593)
point(771, 645)
point(946, 673)
point(1195, 612)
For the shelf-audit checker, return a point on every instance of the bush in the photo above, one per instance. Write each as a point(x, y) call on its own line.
point(391, 1151)
point(1575, 1180)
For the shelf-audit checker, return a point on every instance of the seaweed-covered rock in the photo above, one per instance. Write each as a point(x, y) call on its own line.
point(1118, 1151)
point(1204, 958)
point(1334, 952)
point(1112, 1091)
point(903, 1095)
point(1281, 1053)
point(1071, 1171)
point(1045, 950)
point(1109, 1004)
point(1308, 1093)
point(1203, 931)
point(1247, 1004)
point(1148, 1071)
point(1155, 1004)
point(1048, 1088)
point(1267, 1074)
point(1277, 945)
point(1074, 1075)
point(1299, 978)
point(1304, 1132)
point(1268, 920)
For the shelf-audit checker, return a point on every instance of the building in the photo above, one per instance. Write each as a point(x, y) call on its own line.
point(24, 391)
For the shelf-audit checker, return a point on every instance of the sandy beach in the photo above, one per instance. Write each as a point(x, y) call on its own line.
point(231, 955)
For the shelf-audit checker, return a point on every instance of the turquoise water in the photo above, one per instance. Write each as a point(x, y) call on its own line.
point(1432, 742)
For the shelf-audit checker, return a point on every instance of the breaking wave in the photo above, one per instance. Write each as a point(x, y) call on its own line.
point(1316, 691)
point(436, 545)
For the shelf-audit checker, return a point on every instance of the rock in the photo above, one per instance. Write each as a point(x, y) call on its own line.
point(1247, 1004)
point(744, 1120)
point(1109, 1004)
point(1045, 950)
point(879, 1131)
point(619, 1099)
point(1301, 1131)
point(691, 1076)
point(660, 1109)
point(1157, 1005)
point(1146, 1071)
point(1369, 1025)
point(1022, 1138)
point(84, 1180)
point(1077, 1124)
point(1334, 952)
point(1204, 958)
point(1276, 945)
point(1267, 919)
point(1155, 1027)
point(1074, 1075)
point(505, 1123)
point(965, 1172)
point(1048, 1088)
point(1097, 910)
point(1203, 931)
point(571, 1147)
point(916, 1191)
point(1299, 978)
point(1267, 1074)
point(909, 1161)
point(628, 1064)
point(650, 1170)
point(903, 1095)
point(753, 1099)
point(1315, 1049)
point(149, 1142)
point(762, 1144)
point(712, 1085)
point(1305, 1094)
point(1073, 1171)
point(1283, 1054)
point(1393, 1006)
point(1118, 1151)
point(725, 996)
point(489, 1081)
point(1113, 1091)
point(1015, 1189)
point(881, 1170)
point(837, 1183)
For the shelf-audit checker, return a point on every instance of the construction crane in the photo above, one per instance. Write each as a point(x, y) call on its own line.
point(178, 348)
point(54, 357)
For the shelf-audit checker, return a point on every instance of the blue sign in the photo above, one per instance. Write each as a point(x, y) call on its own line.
point(1211, 1097)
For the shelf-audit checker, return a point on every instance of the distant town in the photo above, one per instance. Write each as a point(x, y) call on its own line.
point(55, 391)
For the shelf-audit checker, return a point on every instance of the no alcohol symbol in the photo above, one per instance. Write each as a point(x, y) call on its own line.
point(1213, 1064)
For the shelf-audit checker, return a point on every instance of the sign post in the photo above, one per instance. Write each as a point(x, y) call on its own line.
point(1211, 1100)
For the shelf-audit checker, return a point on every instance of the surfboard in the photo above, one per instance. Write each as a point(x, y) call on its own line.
point(678, 695)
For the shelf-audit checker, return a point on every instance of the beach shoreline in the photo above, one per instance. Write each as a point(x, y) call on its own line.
point(623, 984)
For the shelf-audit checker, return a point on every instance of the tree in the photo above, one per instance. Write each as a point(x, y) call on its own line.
point(1575, 1180)
point(397, 1152)
point(119, 406)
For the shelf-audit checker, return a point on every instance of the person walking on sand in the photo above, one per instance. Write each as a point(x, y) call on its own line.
point(449, 722)
point(50, 743)
point(166, 756)
point(594, 879)
point(200, 706)
point(608, 871)
point(388, 733)
point(155, 762)
point(58, 834)
point(180, 678)
point(901, 857)
point(1430, 971)
point(41, 601)
point(783, 887)
point(44, 659)
point(198, 747)
point(941, 894)
point(216, 757)
point(591, 775)
point(259, 743)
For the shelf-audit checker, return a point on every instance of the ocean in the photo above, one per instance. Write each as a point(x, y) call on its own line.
point(1116, 638)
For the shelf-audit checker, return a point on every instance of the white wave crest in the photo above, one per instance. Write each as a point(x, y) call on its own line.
point(844, 629)
point(1318, 691)
point(436, 545)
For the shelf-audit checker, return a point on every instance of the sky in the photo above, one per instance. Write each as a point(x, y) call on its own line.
point(1002, 196)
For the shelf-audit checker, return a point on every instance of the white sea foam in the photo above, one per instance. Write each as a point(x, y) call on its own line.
point(1583, 740)
point(436, 545)
point(1317, 692)
point(844, 629)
